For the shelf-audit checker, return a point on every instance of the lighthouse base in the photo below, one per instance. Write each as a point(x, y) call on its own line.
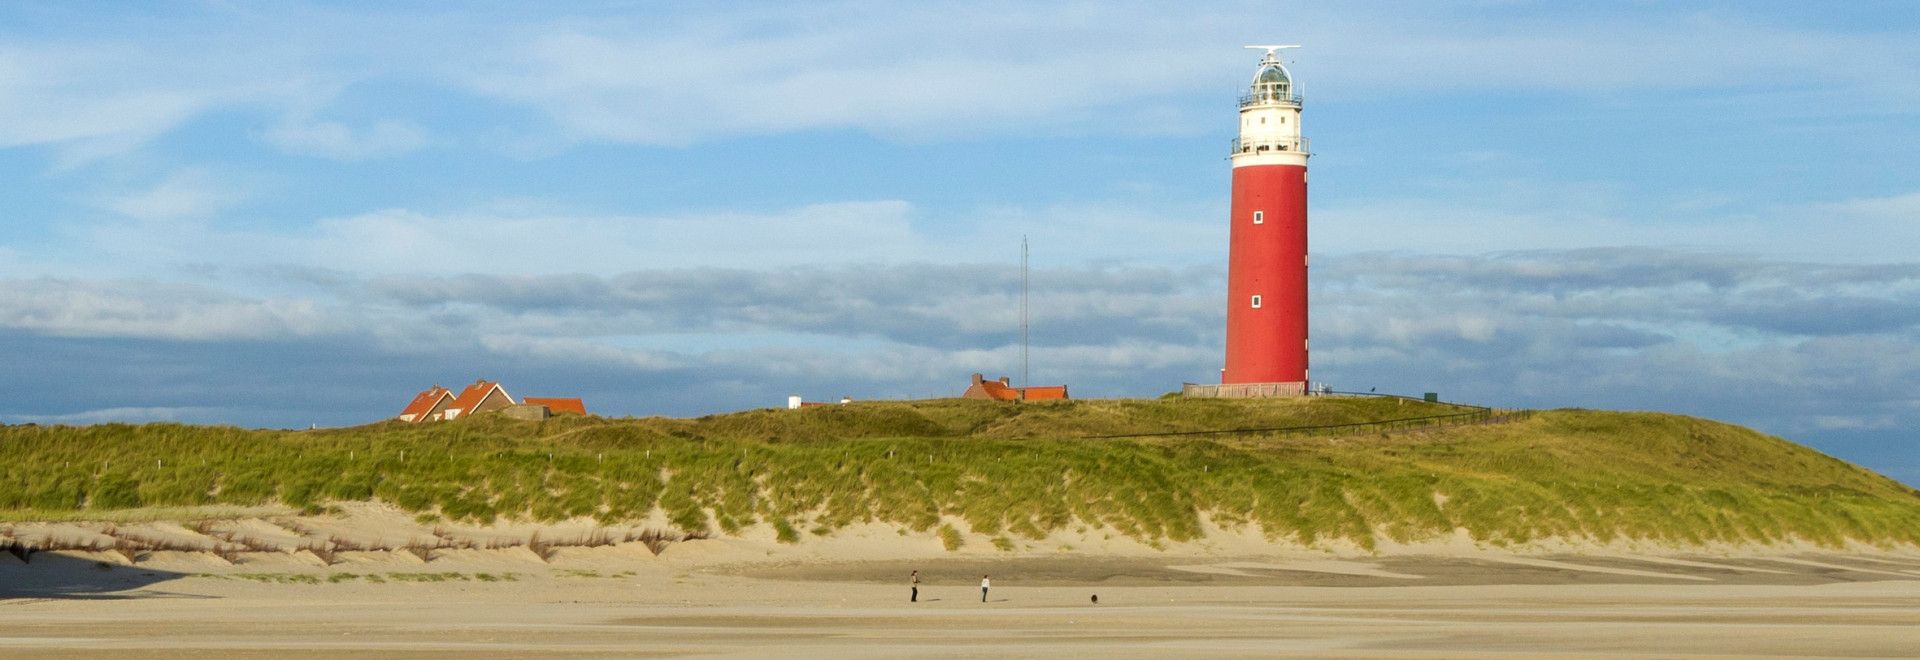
point(1244, 390)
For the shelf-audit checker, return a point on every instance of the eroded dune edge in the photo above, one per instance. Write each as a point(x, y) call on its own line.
point(351, 541)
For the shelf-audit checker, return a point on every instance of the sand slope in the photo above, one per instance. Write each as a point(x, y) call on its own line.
point(374, 581)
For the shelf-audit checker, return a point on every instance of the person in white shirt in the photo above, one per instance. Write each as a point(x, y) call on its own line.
point(984, 583)
point(915, 598)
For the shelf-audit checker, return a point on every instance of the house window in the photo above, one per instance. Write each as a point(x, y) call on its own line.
point(1256, 301)
point(1259, 217)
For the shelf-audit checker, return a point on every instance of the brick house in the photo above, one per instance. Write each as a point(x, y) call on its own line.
point(437, 403)
point(428, 406)
point(557, 405)
point(1003, 390)
point(481, 396)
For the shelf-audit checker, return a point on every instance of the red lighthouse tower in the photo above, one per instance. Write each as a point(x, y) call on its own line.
point(1267, 263)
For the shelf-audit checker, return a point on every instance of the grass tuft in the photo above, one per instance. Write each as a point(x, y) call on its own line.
point(950, 538)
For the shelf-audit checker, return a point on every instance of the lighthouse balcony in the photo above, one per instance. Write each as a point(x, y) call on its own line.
point(1270, 97)
point(1269, 145)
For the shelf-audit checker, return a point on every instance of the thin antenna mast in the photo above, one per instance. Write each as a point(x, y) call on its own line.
point(1023, 312)
point(1270, 48)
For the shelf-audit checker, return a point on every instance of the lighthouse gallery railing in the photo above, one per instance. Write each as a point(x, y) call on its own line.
point(1257, 145)
point(1259, 98)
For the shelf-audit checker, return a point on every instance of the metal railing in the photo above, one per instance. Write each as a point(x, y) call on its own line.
point(1270, 145)
point(1258, 98)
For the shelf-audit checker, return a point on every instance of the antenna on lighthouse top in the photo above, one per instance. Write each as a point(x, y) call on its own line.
point(1270, 49)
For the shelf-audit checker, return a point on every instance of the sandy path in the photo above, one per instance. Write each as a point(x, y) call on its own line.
point(665, 609)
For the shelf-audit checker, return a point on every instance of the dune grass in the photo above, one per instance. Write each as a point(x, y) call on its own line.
point(376, 578)
point(1007, 471)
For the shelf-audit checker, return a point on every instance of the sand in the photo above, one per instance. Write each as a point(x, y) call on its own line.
point(1272, 606)
point(845, 597)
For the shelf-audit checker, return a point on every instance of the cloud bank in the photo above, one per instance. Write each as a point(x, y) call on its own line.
point(1793, 347)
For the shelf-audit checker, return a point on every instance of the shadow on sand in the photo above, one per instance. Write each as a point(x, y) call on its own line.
point(53, 575)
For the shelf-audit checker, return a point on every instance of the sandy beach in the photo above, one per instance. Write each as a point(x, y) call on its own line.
point(695, 600)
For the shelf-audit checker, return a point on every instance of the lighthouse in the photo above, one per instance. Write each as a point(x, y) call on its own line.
point(1267, 260)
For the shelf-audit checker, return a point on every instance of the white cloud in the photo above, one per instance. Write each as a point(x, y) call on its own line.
point(909, 77)
point(339, 141)
point(911, 74)
point(566, 350)
point(1874, 212)
point(95, 308)
point(528, 240)
point(399, 241)
point(936, 73)
point(1854, 423)
point(61, 92)
point(1745, 62)
point(94, 92)
point(186, 194)
point(1856, 230)
point(125, 414)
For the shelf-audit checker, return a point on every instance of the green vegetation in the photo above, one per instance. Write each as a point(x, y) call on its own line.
point(951, 538)
point(1006, 471)
point(280, 578)
point(140, 515)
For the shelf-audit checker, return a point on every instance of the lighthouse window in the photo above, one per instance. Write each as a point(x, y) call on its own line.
point(1256, 301)
point(1259, 217)
point(1263, 120)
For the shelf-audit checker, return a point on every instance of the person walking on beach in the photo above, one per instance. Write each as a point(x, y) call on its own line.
point(984, 583)
point(915, 598)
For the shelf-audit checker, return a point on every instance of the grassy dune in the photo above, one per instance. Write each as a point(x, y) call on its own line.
point(1008, 471)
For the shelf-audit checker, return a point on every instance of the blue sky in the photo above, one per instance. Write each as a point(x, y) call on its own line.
point(288, 214)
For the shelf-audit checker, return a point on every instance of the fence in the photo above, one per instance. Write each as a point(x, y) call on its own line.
point(1243, 390)
point(1471, 415)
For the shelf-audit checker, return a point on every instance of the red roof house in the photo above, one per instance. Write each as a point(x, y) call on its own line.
point(1043, 393)
point(481, 396)
point(428, 405)
point(440, 404)
point(1002, 390)
point(558, 405)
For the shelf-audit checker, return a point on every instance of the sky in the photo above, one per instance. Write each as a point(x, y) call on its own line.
point(288, 214)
